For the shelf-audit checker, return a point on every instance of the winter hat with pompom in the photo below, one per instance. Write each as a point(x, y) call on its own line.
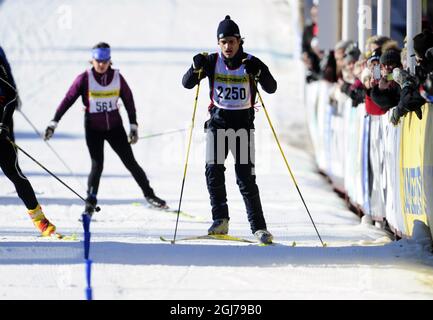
point(228, 28)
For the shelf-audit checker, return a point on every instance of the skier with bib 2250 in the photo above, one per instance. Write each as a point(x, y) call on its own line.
point(232, 74)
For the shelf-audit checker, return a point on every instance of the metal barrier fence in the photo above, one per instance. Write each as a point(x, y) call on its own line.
point(385, 171)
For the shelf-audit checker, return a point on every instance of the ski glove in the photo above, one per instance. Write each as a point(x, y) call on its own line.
point(133, 134)
point(252, 67)
point(199, 61)
point(49, 131)
point(395, 117)
point(4, 131)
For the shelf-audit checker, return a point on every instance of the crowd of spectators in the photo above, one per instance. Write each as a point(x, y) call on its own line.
point(377, 75)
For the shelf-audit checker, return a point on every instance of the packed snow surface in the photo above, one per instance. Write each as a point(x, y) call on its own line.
point(48, 44)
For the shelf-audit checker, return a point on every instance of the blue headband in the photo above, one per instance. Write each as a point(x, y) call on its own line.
point(102, 54)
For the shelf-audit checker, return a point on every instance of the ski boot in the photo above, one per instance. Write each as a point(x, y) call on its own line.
point(41, 222)
point(156, 202)
point(219, 226)
point(264, 236)
point(91, 202)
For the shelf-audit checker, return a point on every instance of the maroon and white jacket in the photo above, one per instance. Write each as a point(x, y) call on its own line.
point(100, 121)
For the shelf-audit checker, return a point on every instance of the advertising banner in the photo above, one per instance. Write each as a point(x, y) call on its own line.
point(392, 138)
point(377, 159)
point(366, 185)
point(415, 163)
point(337, 148)
point(359, 190)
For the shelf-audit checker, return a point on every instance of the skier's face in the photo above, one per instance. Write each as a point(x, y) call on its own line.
point(100, 66)
point(229, 46)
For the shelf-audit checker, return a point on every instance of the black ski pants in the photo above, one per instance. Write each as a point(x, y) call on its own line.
point(240, 142)
point(11, 169)
point(118, 140)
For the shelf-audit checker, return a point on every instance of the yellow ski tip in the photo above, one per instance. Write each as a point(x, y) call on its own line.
point(71, 237)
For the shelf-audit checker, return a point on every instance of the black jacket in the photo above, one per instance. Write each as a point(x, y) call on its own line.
point(235, 119)
point(386, 99)
point(268, 83)
point(8, 92)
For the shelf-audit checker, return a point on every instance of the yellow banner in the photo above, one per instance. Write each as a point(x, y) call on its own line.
point(230, 79)
point(104, 94)
point(416, 163)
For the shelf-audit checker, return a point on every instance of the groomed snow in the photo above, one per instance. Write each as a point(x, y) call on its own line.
point(153, 42)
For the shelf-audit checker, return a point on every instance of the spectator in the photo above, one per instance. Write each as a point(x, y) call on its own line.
point(310, 51)
point(350, 83)
point(339, 53)
point(373, 63)
point(386, 92)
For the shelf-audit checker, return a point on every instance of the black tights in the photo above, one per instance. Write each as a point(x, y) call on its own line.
point(119, 142)
point(11, 169)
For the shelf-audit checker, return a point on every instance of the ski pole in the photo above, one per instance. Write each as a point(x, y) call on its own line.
point(160, 134)
point(187, 154)
point(286, 162)
point(97, 209)
point(86, 226)
point(49, 146)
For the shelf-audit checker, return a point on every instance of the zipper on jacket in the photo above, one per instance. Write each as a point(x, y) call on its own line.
point(106, 118)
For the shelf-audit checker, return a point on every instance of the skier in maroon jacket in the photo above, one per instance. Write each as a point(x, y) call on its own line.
point(100, 89)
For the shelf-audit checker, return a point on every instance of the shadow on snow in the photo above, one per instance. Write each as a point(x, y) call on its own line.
point(110, 252)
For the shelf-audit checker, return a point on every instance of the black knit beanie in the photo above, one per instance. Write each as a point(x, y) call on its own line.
point(422, 42)
point(228, 28)
point(391, 57)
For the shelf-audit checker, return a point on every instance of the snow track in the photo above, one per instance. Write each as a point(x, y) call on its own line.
point(48, 44)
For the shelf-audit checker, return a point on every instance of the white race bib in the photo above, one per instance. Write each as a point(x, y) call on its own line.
point(231, 88)
point(103, 98)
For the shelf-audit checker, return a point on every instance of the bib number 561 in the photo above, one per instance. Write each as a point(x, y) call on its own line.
point(102, 106)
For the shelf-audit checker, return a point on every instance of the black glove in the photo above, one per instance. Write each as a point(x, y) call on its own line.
point(357, 96)
point(411, 100)
point(4, 131)
point(133, 134)
point(199, 61)
point(252, 67)
point(395, 116)
point(418, 113)
point(49, 131)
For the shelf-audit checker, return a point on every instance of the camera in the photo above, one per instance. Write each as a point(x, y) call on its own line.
point(376, 72)
point(424, 74)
